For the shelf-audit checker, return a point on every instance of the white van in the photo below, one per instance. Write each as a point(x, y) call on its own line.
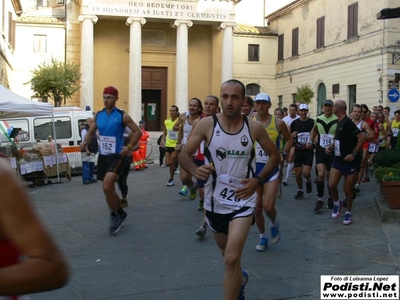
point(69, 121)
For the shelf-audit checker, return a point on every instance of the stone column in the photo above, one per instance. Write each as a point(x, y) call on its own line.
point(227, 50)
point(135, 67)
point(181, 89)
point(87, 50)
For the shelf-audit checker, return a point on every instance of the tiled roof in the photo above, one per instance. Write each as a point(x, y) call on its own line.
point(41, 19)
point(253, 30)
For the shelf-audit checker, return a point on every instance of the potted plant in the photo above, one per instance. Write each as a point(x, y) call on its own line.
point(387, 173)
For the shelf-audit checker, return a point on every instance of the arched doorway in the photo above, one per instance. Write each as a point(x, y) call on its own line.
point(321, 97)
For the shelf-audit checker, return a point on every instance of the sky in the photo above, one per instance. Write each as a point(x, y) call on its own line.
point(251, 11)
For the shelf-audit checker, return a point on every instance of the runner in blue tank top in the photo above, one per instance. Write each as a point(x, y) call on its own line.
point(113, 155)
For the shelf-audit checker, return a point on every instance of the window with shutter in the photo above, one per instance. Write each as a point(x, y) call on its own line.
point(295, 42)
point(352, 20)
point(253, 52)
point(321, 32)
point(280, 47)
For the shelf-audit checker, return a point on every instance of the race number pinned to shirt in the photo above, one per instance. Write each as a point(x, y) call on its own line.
point(261, 155)
point(173, 135)
point(325, 140)
point(303, 138)
point(337, 148)
point(108, 145)
point(224, 191)
point(372, 148)
point(395, 131)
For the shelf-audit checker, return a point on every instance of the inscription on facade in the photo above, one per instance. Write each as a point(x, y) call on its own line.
point(208, 11)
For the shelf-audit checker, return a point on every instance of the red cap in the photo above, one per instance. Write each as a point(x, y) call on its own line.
point(110, 90)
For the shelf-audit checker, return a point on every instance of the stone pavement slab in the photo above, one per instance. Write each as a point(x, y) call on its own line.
point(156, 254)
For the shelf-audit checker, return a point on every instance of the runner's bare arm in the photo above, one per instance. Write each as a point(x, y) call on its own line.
point(284, 130)
point(198, 134)
point(164, 137)
point(259, 133)
point(370, 133)
point(181, 120)
point(314, 132)
point(362, 138)
point(134, 137)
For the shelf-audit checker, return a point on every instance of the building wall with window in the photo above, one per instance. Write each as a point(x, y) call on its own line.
point(205, 25)
point(9, 11)
point(339, 44)
point(254, 59)
point(39, 40)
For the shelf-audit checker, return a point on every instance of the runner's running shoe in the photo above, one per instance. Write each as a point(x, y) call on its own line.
point(245, 278)
point(193, 191)
point(336, 210)
point(201, 232)
point(347, 219)
point(299, 195)
point(262, 246)
point(115, 223)
point(183, 191)
point(201, 205)
point(330, 202)
point(124, 202)
point(318, 206)
point(275, 234)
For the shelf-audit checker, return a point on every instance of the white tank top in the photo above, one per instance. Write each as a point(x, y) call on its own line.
point(232, 156)
point(186, 130)
point(359, 125)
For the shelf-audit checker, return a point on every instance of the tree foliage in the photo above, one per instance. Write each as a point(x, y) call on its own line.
point(56, 80)
point(304, 94)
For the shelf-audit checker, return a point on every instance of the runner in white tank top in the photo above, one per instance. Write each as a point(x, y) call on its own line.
point(229, 141)
point(232, 157)
point(184, 125)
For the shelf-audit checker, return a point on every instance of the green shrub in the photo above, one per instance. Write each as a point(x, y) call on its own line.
point(387, 158)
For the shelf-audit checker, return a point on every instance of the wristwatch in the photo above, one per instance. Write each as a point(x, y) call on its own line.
point(354, 153)
point(261, 181)
point(284, 154)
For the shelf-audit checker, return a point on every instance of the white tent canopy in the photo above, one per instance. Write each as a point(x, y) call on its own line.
point(15, 106)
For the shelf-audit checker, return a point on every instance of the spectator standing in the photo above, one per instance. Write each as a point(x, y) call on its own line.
point(139, 155)
point(89, 154)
